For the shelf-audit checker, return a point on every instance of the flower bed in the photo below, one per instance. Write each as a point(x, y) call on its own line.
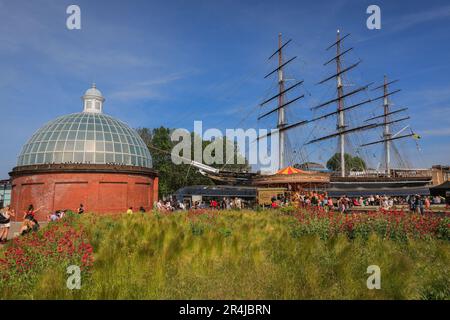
point(59, 245)
point(392, 224)
point(243, 254)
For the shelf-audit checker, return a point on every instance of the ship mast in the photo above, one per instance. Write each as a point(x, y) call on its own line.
point(281, 111)
point(282, 124)
point(341, 127)
point(387, 135)
point(339, 112)
point(340, 103)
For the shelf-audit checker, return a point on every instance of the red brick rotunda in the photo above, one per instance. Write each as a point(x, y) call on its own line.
point(86, 158)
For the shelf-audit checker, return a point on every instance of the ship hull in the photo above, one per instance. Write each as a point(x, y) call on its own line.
point(366, 186)
point(335, 186)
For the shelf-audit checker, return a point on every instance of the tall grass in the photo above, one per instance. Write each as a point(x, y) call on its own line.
point(244, 255)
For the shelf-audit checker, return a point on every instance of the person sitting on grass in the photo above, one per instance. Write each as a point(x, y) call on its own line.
point(28, 226)
point(53, 217)
point(130, 210)
point(57, 215)
point(29, 221)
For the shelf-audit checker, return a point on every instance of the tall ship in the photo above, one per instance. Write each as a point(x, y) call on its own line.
point(346, 172)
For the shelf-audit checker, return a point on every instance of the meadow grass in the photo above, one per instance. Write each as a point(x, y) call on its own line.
point(242, 255)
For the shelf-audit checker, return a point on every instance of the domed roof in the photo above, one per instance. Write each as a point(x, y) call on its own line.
point(86, 137)
point(93, 91)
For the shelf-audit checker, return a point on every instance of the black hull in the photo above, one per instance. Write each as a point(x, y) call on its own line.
point(366, 186)
point(350, 186)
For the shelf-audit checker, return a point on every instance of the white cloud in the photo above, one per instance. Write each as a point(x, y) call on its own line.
point(151, 89)
point(135, 94)
point(437, 132)
point(414, 19)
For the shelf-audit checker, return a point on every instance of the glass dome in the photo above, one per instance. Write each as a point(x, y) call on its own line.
point(86, 137)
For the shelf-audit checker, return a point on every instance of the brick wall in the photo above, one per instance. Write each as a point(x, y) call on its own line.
point(100, 193)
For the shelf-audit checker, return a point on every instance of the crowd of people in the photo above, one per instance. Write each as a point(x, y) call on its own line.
point(225, 203)
point(415, 203)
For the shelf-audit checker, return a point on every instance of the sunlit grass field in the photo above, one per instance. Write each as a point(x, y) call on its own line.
point(235, 255)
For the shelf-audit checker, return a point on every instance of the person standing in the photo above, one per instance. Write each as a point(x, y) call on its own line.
point(5, 223)
point(330, 204)
point(427, 203)
point(412, 204)
point(420, 204)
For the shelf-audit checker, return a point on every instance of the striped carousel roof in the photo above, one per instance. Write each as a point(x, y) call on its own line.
point(290, 170)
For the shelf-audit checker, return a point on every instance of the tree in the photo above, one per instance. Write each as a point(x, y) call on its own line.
point(171, 176)
point(351, 163)
point(358, 164)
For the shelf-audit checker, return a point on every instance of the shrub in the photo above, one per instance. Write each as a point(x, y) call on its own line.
point(225, 231)
point(443, 229)
point(197, 228)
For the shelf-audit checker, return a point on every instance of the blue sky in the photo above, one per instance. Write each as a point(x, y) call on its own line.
point(172, 62)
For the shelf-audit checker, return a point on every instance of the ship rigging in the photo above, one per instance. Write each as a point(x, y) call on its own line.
point(341, 114)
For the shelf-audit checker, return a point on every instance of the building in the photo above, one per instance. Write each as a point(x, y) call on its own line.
point(441, 174)
point(5, 193)
point(87, 157)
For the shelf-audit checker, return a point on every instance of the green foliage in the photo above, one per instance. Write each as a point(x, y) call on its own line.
point(351, 163)
point(225, 232)
point(443, 230)
point(197, 228)
point(288, 210)
point(173, 177)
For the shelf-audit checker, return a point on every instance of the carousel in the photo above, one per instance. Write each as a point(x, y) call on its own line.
point(290, 183)
point(294, 179)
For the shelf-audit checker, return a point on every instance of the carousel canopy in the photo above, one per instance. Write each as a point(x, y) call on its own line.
point(292, 176)
point(290, 170)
